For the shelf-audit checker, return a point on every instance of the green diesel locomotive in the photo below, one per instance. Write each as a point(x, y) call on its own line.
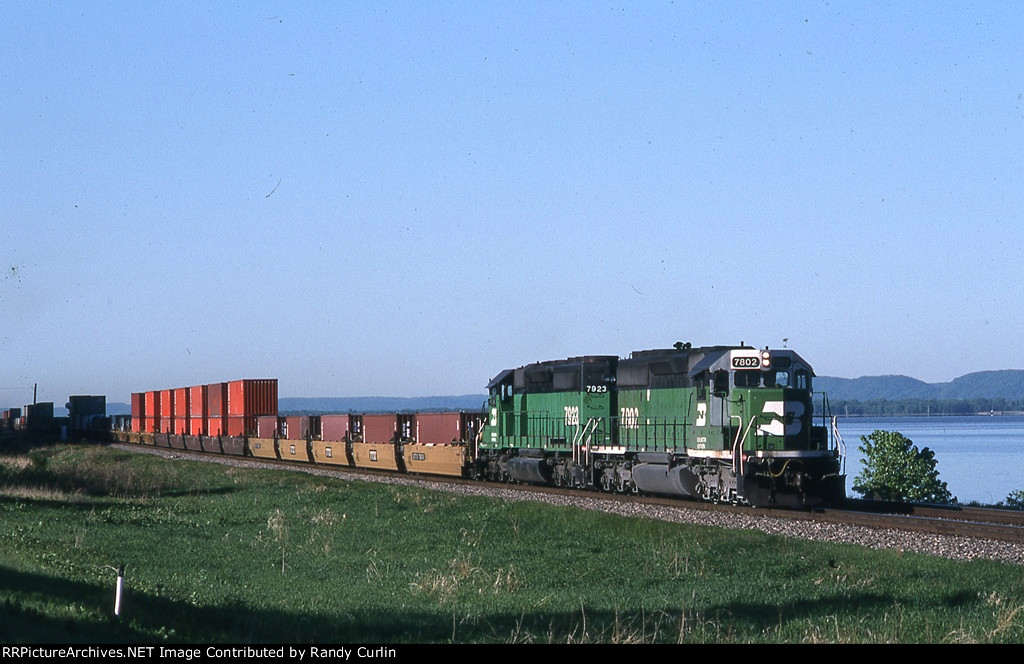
point(718, 423)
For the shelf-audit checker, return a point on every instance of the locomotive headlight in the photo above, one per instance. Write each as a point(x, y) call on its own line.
point(766, 359)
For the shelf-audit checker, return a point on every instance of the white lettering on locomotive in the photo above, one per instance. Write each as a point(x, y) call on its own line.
point(572, 416)
point(629, 418)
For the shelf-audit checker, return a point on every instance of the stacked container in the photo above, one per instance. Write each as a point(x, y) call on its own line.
point(166, 423)
point(138, 411)
point(181, 410)
point(197, 410)
point(151, 411)
point(216, 408)
point(246, 400)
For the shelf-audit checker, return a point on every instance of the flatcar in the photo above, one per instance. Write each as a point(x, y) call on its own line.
point(716, 423)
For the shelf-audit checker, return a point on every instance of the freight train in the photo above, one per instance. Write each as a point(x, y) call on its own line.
point(716, 423)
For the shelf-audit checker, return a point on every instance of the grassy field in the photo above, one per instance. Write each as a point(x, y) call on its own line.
point(222, 555)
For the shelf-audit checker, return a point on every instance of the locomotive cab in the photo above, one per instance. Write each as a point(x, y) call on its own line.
point(759, 417)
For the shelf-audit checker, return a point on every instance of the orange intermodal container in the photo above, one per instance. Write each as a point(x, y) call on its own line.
point(151, 408)
point(166, 415)
point(252, 396)
point(216, 409)
point(181, 410)
point(197, 410)
point(241, 425)
point(138, 411)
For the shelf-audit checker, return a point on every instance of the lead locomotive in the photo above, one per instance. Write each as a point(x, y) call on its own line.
point(720, 423)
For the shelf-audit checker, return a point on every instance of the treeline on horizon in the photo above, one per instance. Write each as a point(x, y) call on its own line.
point(886, 407)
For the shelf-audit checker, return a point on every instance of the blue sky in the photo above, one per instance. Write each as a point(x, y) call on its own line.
point(405, 198)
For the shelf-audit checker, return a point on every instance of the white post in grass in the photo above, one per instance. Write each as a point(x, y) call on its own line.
point(120, 588)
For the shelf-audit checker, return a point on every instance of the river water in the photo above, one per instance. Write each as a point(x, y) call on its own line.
point(980, 458)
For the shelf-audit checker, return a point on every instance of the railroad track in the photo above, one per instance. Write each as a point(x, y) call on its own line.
point(983, 524)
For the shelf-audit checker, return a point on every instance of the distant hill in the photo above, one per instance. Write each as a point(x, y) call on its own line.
point(383, 404)
point(1007, 384)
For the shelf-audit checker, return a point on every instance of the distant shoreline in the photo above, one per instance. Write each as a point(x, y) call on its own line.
point(860, 416)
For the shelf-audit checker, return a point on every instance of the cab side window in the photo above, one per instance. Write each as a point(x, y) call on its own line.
point(721, 382)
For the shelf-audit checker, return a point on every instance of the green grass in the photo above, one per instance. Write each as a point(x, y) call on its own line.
point(219, 554)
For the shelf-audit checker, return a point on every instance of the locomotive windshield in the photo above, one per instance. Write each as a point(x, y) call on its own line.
point(776, 378)
point(747, 378)
point(755, 378)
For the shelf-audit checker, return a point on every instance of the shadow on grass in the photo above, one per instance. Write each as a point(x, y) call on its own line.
point(148, 618)
point(86, 501)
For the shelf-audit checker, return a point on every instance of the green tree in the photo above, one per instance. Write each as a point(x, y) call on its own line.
point(1015, 500)
point(894, 469)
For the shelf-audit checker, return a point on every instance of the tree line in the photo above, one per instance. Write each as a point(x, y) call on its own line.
point(884, 407)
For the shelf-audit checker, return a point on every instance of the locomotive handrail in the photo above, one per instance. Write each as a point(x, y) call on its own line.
point(578, 444)
point(736, 441)
point(663, 433)
point(840, 443)
point(826, 408)
point(737, 448)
